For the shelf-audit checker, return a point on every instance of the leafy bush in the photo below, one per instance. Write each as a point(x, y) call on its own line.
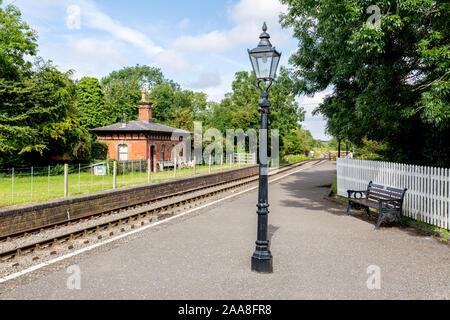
point(99, 150)
point(56, 170)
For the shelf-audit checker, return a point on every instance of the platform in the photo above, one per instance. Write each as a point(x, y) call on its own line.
point(318, 253)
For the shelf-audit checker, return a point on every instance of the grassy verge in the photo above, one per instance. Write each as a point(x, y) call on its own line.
point(298, 157)
point(44, 188)
point(445, 232)
point(334, 187)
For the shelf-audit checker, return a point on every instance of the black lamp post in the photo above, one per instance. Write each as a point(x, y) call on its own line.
point(264, 59)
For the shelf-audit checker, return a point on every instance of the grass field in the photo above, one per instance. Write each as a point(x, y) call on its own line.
point(46, 187)
point(300, 157)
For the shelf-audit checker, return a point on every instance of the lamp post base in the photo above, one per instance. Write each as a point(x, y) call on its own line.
point(262, 262)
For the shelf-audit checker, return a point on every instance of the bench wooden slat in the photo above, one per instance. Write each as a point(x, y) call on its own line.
point(383, 196)
point(377, 186)
point(367, 202)
point(387, 190)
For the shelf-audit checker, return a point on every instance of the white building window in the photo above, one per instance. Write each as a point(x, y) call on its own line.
point(123, 152)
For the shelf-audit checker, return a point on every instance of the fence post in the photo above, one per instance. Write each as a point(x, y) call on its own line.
point(132, 172)
point(149, 170)
point(174, 167)
point(48, 182)
point(239, 159)
point(209, 163)
point(12, 187)
point(31, 183)
point(79, 177)
point(123, 172)
point(195, 161)
point(115, 174)
point(66, 180)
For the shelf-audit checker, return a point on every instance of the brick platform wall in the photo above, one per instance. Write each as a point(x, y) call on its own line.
point(31, 216)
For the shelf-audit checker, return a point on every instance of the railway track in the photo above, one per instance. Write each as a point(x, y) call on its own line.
point(137, 215)
point(28, 232)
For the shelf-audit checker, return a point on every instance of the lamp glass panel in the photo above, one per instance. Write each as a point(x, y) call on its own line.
point(254, 62)
point(264, 64)
point(275, 61)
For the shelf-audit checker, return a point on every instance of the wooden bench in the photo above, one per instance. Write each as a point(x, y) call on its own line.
point(388, 201)
point(165, 164)
point(170, 164)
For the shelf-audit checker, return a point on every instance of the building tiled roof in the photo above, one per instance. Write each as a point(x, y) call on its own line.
point(138, 126)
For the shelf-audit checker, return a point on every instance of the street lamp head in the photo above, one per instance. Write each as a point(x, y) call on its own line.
point(264, 58)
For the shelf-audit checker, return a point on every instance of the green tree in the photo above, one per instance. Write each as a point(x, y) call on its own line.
point(239, 108)
point(390, 81)
point(38, 118)
point(144, 76)
point(123, 89)
point(292, 144)
point(119, 99)
point(91, 103)
point(299, 140)
point(171, 104)
point(16, 41)
point(162, 97)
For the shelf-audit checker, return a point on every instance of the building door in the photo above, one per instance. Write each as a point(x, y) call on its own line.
point(152, 158)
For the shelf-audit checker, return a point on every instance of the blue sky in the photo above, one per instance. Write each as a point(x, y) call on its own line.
point(199, 44)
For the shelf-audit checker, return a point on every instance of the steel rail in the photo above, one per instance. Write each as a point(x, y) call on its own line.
point(141, 213)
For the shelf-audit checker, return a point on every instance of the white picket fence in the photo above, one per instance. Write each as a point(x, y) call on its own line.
point(428, 195)
point(245, 158)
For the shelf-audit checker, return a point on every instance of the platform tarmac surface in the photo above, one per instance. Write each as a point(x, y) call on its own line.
point(318, 253)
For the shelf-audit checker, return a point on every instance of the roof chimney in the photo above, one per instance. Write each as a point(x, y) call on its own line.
point(145, 109)
point(124, 120)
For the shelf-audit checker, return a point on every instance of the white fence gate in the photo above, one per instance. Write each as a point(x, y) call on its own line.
point(245, 158)
point(428, 195)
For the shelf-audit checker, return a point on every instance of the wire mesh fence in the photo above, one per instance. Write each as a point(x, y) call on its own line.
point(32, 184)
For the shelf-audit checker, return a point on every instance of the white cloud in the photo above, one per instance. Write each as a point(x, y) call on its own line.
point(231, 61)
point(98, 20)
point(91, 17)
point(206, 80)
point(218, 92)
point(101, 21)
point(184, 23)
point(73, 19)
point(309, 103)
point(97, 50)
point(173, 60)
point(214, 41)
point(248, 16)
point(315, 124)
point(87, 56)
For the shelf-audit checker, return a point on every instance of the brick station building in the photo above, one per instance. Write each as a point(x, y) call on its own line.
point(143, 139)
